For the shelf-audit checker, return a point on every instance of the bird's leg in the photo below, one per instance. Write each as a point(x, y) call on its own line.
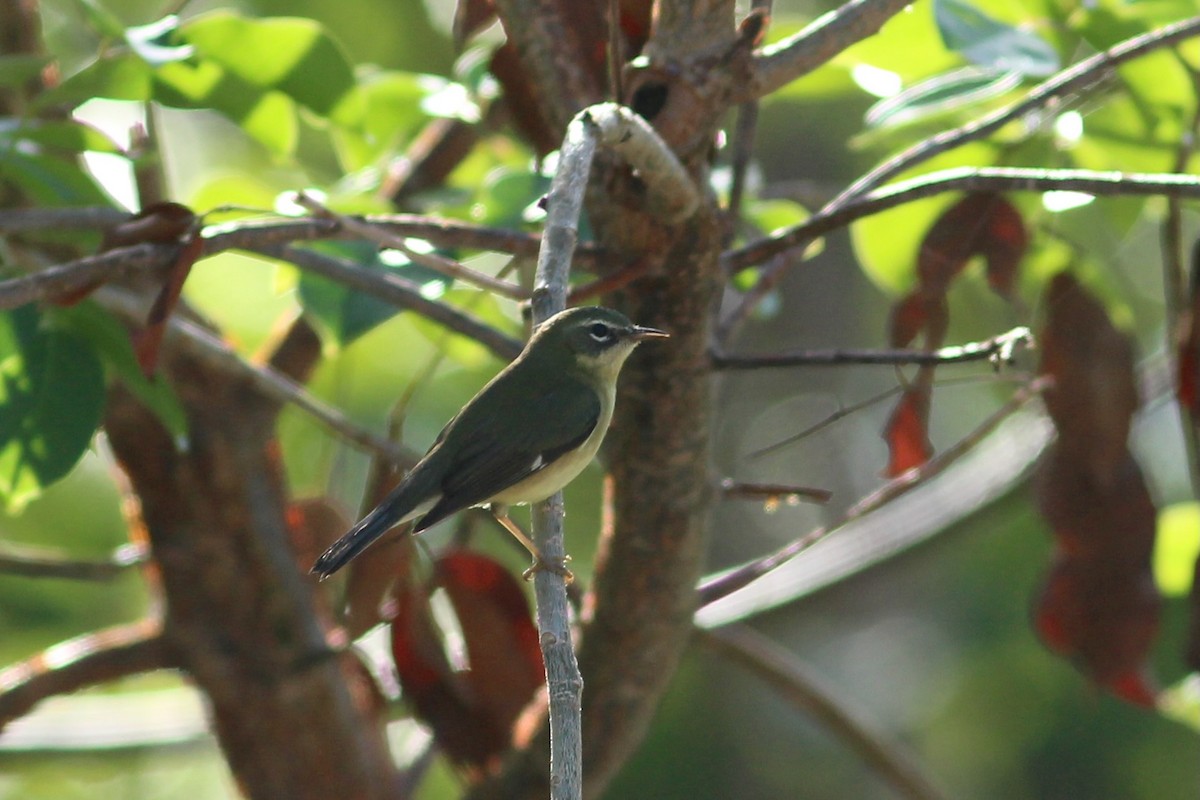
point(540, 562)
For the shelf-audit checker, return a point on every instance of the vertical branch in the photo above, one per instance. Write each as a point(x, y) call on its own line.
point(563, 682)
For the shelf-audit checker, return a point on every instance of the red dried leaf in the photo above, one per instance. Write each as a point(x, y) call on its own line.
point(1112, 519)
point(907, 319)
point(982, 223)
point(1094, 393)
point(500, 634)
point(1104, 617)
point(434, 691)
point(148, 340)
point(472, 711)
point(1189, 365)
point(907, 432)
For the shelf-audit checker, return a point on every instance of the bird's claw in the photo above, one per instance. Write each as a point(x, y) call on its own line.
point(541, 564)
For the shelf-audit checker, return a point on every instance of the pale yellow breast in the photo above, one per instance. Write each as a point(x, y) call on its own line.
point(545, 482)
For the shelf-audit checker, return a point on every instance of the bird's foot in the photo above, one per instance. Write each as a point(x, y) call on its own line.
point(541, 564)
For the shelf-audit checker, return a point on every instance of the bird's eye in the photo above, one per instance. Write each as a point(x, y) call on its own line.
point(600, 332)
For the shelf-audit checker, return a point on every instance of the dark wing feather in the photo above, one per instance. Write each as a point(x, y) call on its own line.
point(542, 426)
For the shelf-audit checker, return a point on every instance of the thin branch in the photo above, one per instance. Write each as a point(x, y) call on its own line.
point(783, 62)
point(773, 494)
point(786, 675)
point(672, 195)
point(1074, 79)
point(17, 220)
point(81, 662)
point(40, 563)
point(439, 264)
point(268, 382)
point(999, 350)
point(1077, 78)
point(958, 179)
point(563, 681)
point(76, 275)
point(397, 291)
point(726, 583)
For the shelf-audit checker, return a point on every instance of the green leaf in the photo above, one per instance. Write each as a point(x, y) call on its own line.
point(154, 43)
point(508, 196)
point(51, 400)
point(50, 181)
point(111, 341)
point(989, 42)
point(291, 55)
point(393, 115)
point(69, 135)
point(458, 348)
point(269, 117)
point(1176, 545)
point(947, 92)
point(345, 314)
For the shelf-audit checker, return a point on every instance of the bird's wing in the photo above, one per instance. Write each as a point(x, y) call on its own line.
point(541, 429)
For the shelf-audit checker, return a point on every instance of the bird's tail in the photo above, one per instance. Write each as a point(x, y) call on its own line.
point(359, 538)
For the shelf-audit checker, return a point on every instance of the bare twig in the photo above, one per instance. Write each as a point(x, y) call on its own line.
point(1075, 79)
point(268, 382)
point(721, 585)
point(784, 673)
point(399, 292)
point(40, 563)
point(961, 179)
point(773, 493)
point(440, 264)
point(785, 61)
point(998, 349)
point(62, 279)
point(563, 681)
point(85, 661)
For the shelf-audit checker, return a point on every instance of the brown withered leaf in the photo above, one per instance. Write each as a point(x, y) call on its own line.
point(1113, 520)
point(1104, 617)
point(907, 432)
point(433, 690)
point(500, 634)
point(471, 712)
point(1188, 354)
point(982, 223)
point(1094, 394)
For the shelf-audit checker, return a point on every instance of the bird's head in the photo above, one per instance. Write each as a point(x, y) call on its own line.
point(592, 339)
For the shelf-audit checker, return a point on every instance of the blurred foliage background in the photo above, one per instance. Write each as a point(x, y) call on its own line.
point(932, 647)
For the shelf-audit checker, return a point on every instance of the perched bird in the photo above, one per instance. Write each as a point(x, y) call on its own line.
point(527, 434)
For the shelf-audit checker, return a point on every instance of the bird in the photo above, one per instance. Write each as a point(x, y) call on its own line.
point(527, 433)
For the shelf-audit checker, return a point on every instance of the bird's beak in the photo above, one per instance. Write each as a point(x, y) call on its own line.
point(639, 333)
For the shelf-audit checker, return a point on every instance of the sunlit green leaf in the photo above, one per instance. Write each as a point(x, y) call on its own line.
point(458, 348)
point(1176, 545)
point(1181, 702)
point(51, 400)
point(989, 42)
point(292, 55)
point(344, 314)
point(508, 195)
